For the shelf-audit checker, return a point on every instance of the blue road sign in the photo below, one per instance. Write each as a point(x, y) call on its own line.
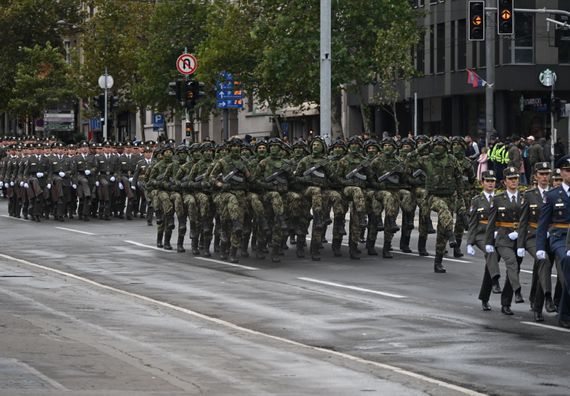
point(229, 104)
point(228, 92)
point(157, 121)
point(95, 124)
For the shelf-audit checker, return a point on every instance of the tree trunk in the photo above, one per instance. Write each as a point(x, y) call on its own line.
point(365, 113)
point(395, 116)
point(142, 114)
point(337, 117)
point(276, 121)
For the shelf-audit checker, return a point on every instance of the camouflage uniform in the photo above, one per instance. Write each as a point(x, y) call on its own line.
point(443, 180)
point(298, 207)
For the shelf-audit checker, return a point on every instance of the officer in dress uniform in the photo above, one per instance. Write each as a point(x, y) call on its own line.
point(555, 220)
point(478, 220)
point(501, 236)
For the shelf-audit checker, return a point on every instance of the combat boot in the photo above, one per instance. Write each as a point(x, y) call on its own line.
point(338, 226)
point(336, 244)
point(457, 249)
point(391, 225)
point(217, 243)
point(450, 236)
point(430, 229)
point(405, 243)
point(195, 250)
point(370, 247)
point(362, 236)
point(159, 236)
point(224, 249)
point(206, 248)
point(233, 255)
point(275, 253)
point(422, 246)
point(292, 239)
point(315, 252)
point(180, 244)
point(167, 236)
point(386, 250)
point(438, 267)
point(353, 251)
point(259, 251)
point(301, 242)
point(244, 245)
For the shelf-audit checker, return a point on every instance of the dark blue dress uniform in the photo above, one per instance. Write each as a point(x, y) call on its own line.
point(555, 219)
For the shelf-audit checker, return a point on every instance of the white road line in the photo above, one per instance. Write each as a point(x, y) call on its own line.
point(530, 272)
point(431, 257)
point(14, 218)
point(149, 247)
point(224, 263)
point(72, 230)
point(355, 288)
point(233, 326)
point(547, 326)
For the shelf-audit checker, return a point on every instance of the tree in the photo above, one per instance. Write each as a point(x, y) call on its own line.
point(41, 82)
point(394, 63)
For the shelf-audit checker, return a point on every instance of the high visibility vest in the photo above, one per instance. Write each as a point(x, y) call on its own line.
point(505, 155)
point(494, 154)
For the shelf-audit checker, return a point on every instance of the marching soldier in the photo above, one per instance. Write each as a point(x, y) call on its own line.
point(501, 236)
point(139, 185)
point(83, 174)
point(480, 209)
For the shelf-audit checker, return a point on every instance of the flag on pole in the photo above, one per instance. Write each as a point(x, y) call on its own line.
point(474, 79)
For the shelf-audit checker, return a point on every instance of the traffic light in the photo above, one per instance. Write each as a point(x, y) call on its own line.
point(99, 102)
point(175, 88)
point(506, 17)
point(194, 91)
point(476, 20)
point(189, 130)
point(113, 102)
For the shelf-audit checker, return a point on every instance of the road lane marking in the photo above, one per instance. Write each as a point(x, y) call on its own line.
point(150, 247)
point(355, 288)
point(224, 263)
point(233, 326)
point(72, 230)
point(14, 218)
point(547, 326)
point(530, 272)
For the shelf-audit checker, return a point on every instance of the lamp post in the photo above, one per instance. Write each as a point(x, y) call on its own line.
point(106, 83)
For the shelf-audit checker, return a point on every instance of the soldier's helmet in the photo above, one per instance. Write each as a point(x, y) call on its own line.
point(459, 140)
point(259, 143)
point(167, 147)
point(207, 146)
point(158, 150)
point(372, 142)
point(422, 139)
point(247, 146)
point(409, 142)
point(389, 140)
point(275, 141)
point(235, 141)
point(194, 147)
point(181, 149)
point(355, 140)
point(320, 140)
point(440, 141)
point(338, 143)
point(301, 144)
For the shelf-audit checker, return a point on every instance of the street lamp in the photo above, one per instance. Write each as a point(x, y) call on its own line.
point(106, 83)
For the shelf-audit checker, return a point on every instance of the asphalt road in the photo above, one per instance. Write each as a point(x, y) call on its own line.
point(94, 308)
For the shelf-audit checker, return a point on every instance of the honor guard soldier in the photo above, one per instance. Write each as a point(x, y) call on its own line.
point(541, 289)
point(478, 221)
point(554, 221)
point(501, 236)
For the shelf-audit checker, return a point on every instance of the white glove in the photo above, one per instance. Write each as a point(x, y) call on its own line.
point(520, 252)
point(121, 187)
point(130, 179)
point(74, 186)
point(1, 184)
point(133, 187)
point(489, 248)
point(470, 250)
point(513, 236)
point(21, 184)
point(26, 185)
point(568, 253)
point(87, 172)
point(495, 234)
point(11, 184)
point(48, 186)
point(112, 178)
point(540, 255)
point(39, 175)
point(97, 183)
point(547, 234)
point(61, 174)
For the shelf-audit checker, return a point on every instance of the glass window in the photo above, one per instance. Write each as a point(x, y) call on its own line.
point(452, 45)
point(524, 38)
point(431, 49)
point(420, 56)
point(441, 47)
point(461, 44)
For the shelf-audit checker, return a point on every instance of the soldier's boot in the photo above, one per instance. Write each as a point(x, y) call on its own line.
point(386, 250)
point(379, 223)
point(244, 245)
point(259, 251)
point(451, 239)
point(195, 249)
point(159, 236)
point(149, 215)
point(167, 236)
point(180, 244)
point(129, 210)
point(371, 248)
point(86, 208)
point(205, 249)
point(25, 209)
point(107, 210)
point(338, 226)
point(430, 228)
point(336, 247)
point(457, 249)
point(390, 225)
point(315, 251)
point(301, 242)
point(284, 246)
point(233, 255)
point(275, 254)
point(422, 246)
point(353, 251)
point(292, 239)
point(224, 249)
point(60, 211)
point(437, 264)
point(217, 243)
point(405, 243)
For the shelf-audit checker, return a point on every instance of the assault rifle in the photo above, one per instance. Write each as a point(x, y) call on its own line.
point(392, 176)
point(314, 170)
point(276, 177)
point(233, 176)
point(356, 171)
point(419, 172)
point(199, 178)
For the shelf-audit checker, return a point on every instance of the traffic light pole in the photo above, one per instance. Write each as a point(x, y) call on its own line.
point(490, 65)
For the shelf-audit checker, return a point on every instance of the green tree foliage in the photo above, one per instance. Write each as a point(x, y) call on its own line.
point(41, 82)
